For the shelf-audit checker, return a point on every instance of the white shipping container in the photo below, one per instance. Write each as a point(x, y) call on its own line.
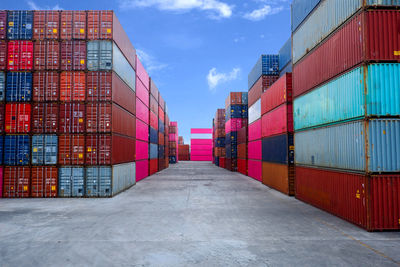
point(255, 111)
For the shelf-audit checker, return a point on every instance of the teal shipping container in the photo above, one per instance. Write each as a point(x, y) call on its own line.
point(367, 91)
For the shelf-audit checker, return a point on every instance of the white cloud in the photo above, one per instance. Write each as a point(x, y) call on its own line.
point(239, 39)
point(149, 61)
point(34, 6)
point(218, 8)
point(260, 14)
point(214, 78)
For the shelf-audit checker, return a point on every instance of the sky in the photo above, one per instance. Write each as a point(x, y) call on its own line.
point(197, 51)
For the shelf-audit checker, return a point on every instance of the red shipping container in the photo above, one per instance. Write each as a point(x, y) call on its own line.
point(142, 131)
point(73, 55)
point(142, 112)
point(277, 121)
point(161, 114)
point(161, 139)
point(369, 36)
point(107, 86)
point(3, 24)
point(46, 24)
point(142, 92)
point(153, 89)
point(104, 24)
point(18, 118)
point(255, 130)
point(72, 118)
point(16, 182)
point(72, 86)
point(73, 25)
point(153, 166)
point(242, 135)
point(1, 182)
point(46, 55)
point(71, 149)
point(20, 55)
point(234, 98)
point(242, 151)
point(98, 149)
point(222, 162)
point(44, 182)
point(262, 84)
point(242, 166)
point(142, 150)
point(255, 150)
point(255, 169)
point(370, 202)
point(153, 120)
point(2, 113)
point(45, 118)
point(142, 169)
point(153, 105)
point(123, 149)
point(3, 55)
point(45, 86)
point(279, 93)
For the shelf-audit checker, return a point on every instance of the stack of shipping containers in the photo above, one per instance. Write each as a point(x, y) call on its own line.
point(153, 129)
point(236, 111)
point(166, 137)
point(161, 133)
point(346, 109)
point(242, 149)
point(173, 142)
point(201, 145)
point(219, 138)
point(262, 76)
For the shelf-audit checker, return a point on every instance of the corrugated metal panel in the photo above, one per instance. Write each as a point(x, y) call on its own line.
point(343, 146)
point(266, 65)
point(71, 182)
point(19, 87)
point(16, 150)
point(300, 10)
point(278, 149)
point(44, 149)
point(20, 25)
point(285, 54)
point(279, 177)
point(98, 182)
point(255, 111)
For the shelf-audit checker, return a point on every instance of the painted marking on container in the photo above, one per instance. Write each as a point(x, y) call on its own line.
point(25, 188)
point(82, 30)
point(53, 188)
point(396, 53)
point(55, 30)
point(358, 195)
point(108, 30)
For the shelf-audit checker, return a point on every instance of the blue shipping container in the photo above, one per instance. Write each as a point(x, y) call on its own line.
point(19, 25)
point(278, 149)
point(287, 69)
point(245, 98)
point(234, 112)
point(98, 182)
point(16, 150)
point(153, 151)
point(266, 65)
point(153, 135)
point(343, 146)
point(216, 161)
point(1, 148)
point(44, 149)
point(172, 159)
point(300, 10)
point(161, 150)
point(220, 142)
point(231, 151)
point(161, 127)
point(344, 98)
point(2, 85)
point(285, 54)
point(71, 182)
point(231, 138)
point(19, 86)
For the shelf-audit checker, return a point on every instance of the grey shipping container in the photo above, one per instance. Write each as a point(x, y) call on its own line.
point(71, 182)
point(364, 146)
point(287, 69)
point(285, 54)
point(300, 10)
point(153, 151)
point(105, 55)
point(44, 149)
point(98, 181)
point(2, 85)
point(123, 177)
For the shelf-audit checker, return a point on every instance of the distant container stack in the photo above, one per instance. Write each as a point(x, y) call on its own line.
point(262, 76)
point(346, 109)
point(201, 144)
point(173, 142)
point(184, 152)
point(219, 138)
point(236, 114)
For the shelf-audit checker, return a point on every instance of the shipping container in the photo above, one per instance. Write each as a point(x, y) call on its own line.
point(277, 121)
point(279, 93)
point(18, 118)
point(266, 65)
point(367, 146)
point(255, 111)
point(1, 149)
point(46, 24)
point(142, 74)
point(200, 158)
point(72, 86)
point(71, 182)
point(161, 127)
point(1, 173)
point(153, 135)
point(300, 9)
point(142, 112)
point(3, 55)
point(161, 152)
point(3, 27)
point(142, 150)
point(255, 169)
point(16, 182)
point(46, 55)
point(142, 92)
point(2, 119)
point(44, 149)
point(245, 98)
point(222, 162)
point(161, 102)
point(20, 24)
point(153, 151)
point(153, 121)
point(73, 55)
point(262, 84)
point(153, 166)
point(16, 150)
point(161, 139)
point(234, 98)
point(278, 149)
point(98, 149)
point(236, 112)
point(279, 177)
point(44, 182)
point(354, 197)
point(255, 150)
point(242, 151)
point(153, 105)
point(242, 166)
point(19, 55)
point(19, 87)
point(142, 131)
point(142, 169)
point(123, 149)
point(71, 149)
point(153, 89)
point(45, 86)
point(72, 118)
point(45, 118)
point(287, 69)
point(255, 131)
point(98, 181)
point(367, 37)
point(2, 85)
point(285, 54)
point(73, 25)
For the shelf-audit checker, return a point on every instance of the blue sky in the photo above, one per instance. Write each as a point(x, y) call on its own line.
point(196, 50)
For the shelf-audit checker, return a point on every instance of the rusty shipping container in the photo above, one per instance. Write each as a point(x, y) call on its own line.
point(71, 149)
point(3, 24)
point(46, 55)
point(3, 55)
point(72, 118)
point(44, 182)
point(45, 86)
point(73, 25)
point(73, 55)
point(16, 182)
point(46, 24)
point(45, 118)
point(279, 176)
point(72, 86)
point(262, 84)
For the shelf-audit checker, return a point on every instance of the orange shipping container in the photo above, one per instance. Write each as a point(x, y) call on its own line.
point(279, 177)
point(16, 182)
point(44, 182)
point(45, 86)
point(71, 149)
point(46, 55)
point(72, 86)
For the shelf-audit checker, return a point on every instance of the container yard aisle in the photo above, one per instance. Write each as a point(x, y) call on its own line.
point(190, 214)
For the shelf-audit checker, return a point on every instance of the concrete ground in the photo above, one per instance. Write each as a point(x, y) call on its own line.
point(192, 214)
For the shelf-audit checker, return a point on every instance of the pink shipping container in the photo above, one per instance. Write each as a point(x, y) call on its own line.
point(255, 169)
point(200, 141)
point(255, 130)
point(201, 158)
point(153, 121)
point(201, 131)
point(279, 93)
point(234, 125)
point(201, 147)
point(142, 131)
point(142, 150)
point(255, 150)
point(277, 121)
point(141, 73)
point(142, 92)
point(142, 169)
point(142, 112)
